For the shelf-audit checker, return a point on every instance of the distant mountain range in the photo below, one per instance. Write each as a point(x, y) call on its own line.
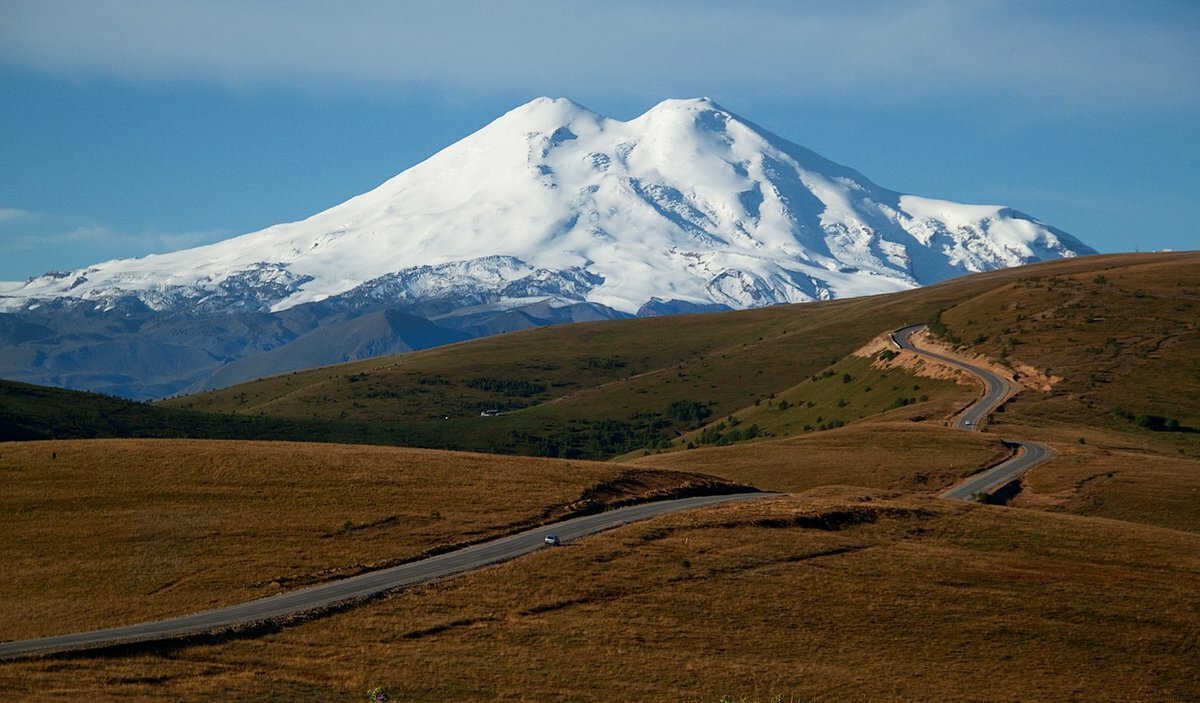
point(550, 214)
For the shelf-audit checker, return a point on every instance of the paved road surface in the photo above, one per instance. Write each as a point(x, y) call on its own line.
point(987, 481)
point(996, 391)
point(375, 582)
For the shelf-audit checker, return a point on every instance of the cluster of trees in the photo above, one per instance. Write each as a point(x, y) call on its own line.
point(902, 402)
point(688, 411)
point(507, 386)
point(608, 362)
point(1154, 423)
point(718, 436)
point(598, 439)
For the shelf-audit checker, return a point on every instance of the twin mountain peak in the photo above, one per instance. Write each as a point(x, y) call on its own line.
point(552, 213)
point(687, 205)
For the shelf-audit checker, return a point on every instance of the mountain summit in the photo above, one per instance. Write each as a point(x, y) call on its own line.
point(686, 207)
point(552, 213)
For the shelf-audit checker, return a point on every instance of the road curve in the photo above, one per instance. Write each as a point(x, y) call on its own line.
point(365, 585)
point(996, 388)
point(996, 391)
point(1031, 453)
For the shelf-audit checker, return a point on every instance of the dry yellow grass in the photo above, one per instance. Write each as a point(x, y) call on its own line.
point(108, 532)
point(930, 601)
point(900, 455)
point(1136, 486)
point(1123, 335)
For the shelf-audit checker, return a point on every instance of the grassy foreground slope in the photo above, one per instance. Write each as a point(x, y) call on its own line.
point(99, 533)
point(827, 596)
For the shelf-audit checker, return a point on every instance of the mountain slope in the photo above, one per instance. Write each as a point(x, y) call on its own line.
point(346, 338)
point(687, 202)
point(132, 351)
point(600, 389)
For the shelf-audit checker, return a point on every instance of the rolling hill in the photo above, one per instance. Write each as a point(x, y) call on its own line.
point(1102, 333)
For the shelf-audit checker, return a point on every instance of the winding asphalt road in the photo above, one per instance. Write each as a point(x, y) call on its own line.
point(996, 391)
point(365, 585)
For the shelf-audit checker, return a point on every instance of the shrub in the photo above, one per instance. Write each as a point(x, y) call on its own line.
point(1155, 423)
point(935, 324)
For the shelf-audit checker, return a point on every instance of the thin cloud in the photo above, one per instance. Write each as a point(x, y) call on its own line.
point(32, 243)
point(99, 237)
point(8, 214)
point(883, 52)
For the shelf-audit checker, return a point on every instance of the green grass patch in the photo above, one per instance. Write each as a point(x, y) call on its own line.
point(846, 392)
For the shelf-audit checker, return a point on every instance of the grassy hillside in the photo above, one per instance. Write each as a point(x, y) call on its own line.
point(1118, 348)
point(855, 388)
point(29, 412)
point(37, 412)
point(1121, 343)
point(886, 455)
point(99, 533)
point(827, 596)
point(603, 389)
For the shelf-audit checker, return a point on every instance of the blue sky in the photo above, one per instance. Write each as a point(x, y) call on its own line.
point(128, 128)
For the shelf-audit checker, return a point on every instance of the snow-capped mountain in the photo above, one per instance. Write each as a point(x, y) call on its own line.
point(686, 205)
point(550, 214)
